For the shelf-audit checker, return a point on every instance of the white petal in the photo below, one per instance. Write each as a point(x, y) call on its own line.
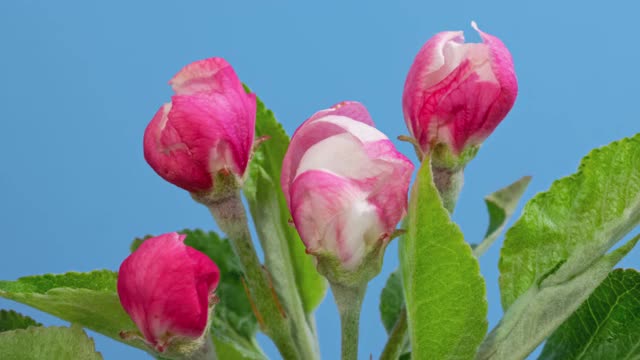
point(359, 129)
point(340, 154)
point(360, 227)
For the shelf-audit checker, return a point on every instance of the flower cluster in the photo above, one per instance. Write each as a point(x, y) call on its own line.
point(343, 180)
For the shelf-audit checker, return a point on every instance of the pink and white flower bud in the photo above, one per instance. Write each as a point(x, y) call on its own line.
point(456, 93)
point(167, 288)
point(207, 128)
point(345, 184)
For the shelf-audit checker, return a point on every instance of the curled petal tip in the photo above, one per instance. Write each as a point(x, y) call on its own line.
point(456, 93)
point(209, 126)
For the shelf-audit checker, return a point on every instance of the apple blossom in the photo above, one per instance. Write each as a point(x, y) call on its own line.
point(456, 94)
point(345, 184)
point(167, 288)
point(205, 131)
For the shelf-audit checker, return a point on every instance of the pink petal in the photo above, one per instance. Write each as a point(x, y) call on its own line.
point(350, 109)
point(214, 125)
point(504, 70)
point(206, 76)
point(345, 185)
point(458, 93)
point(198, 135)
point(457, 107)
point(427, 69)
point(165, 286)
point(389, 192)
point(322, 125)
point(332, 214)
point(171, 157)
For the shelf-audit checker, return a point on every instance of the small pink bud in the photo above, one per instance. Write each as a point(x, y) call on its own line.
point(166, 287)
point(456, 93)
point(207, 128)
point(345, 184)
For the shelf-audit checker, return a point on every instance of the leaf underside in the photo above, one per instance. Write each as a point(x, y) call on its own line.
point(606, 326)
point(558, 252)
point(285, 257)
point(501, 205)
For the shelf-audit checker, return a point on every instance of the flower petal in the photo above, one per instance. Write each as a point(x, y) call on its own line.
point(504, 71)
point(346, 186)
point(213, 75)
point(196, 136)
point(322, 125)
point(456, 93)
point(427, 69)
point(165, 286)
point(350, 109)
point(333, 215)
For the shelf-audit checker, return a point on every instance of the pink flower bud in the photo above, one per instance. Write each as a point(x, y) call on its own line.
point(456, 93)
point(345, 184)
point(208, 127)
point(166, 287)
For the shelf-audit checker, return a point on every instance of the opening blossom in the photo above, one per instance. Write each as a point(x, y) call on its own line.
point(456, 93)
point(207, 129)
point(167, 288)
point(345, 184)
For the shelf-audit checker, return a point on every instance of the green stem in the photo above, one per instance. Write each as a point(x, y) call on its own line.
point(311, 323)
point(229, 213)
point(349, 301)
point(449, 183)
point(397, 339)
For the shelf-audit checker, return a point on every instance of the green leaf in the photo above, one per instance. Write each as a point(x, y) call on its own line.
point(556, 253)
point(539, 311)
point(234, 325)
point(88, 299)
point(11, 320)
point(291, 268)
point(606, 326)
point(501, 205)
point(394, 316)
point(36, 343)
point(443, 288)
point(576, 221)
point(391, 301)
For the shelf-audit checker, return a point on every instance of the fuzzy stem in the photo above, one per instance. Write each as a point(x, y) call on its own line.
point(229, 213)
point(397, 339)
point(349, 301)
point(277, 257)
point(206, 352)
point(449, 183)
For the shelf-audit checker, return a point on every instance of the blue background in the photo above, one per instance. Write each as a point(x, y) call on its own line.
point(81, 79)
